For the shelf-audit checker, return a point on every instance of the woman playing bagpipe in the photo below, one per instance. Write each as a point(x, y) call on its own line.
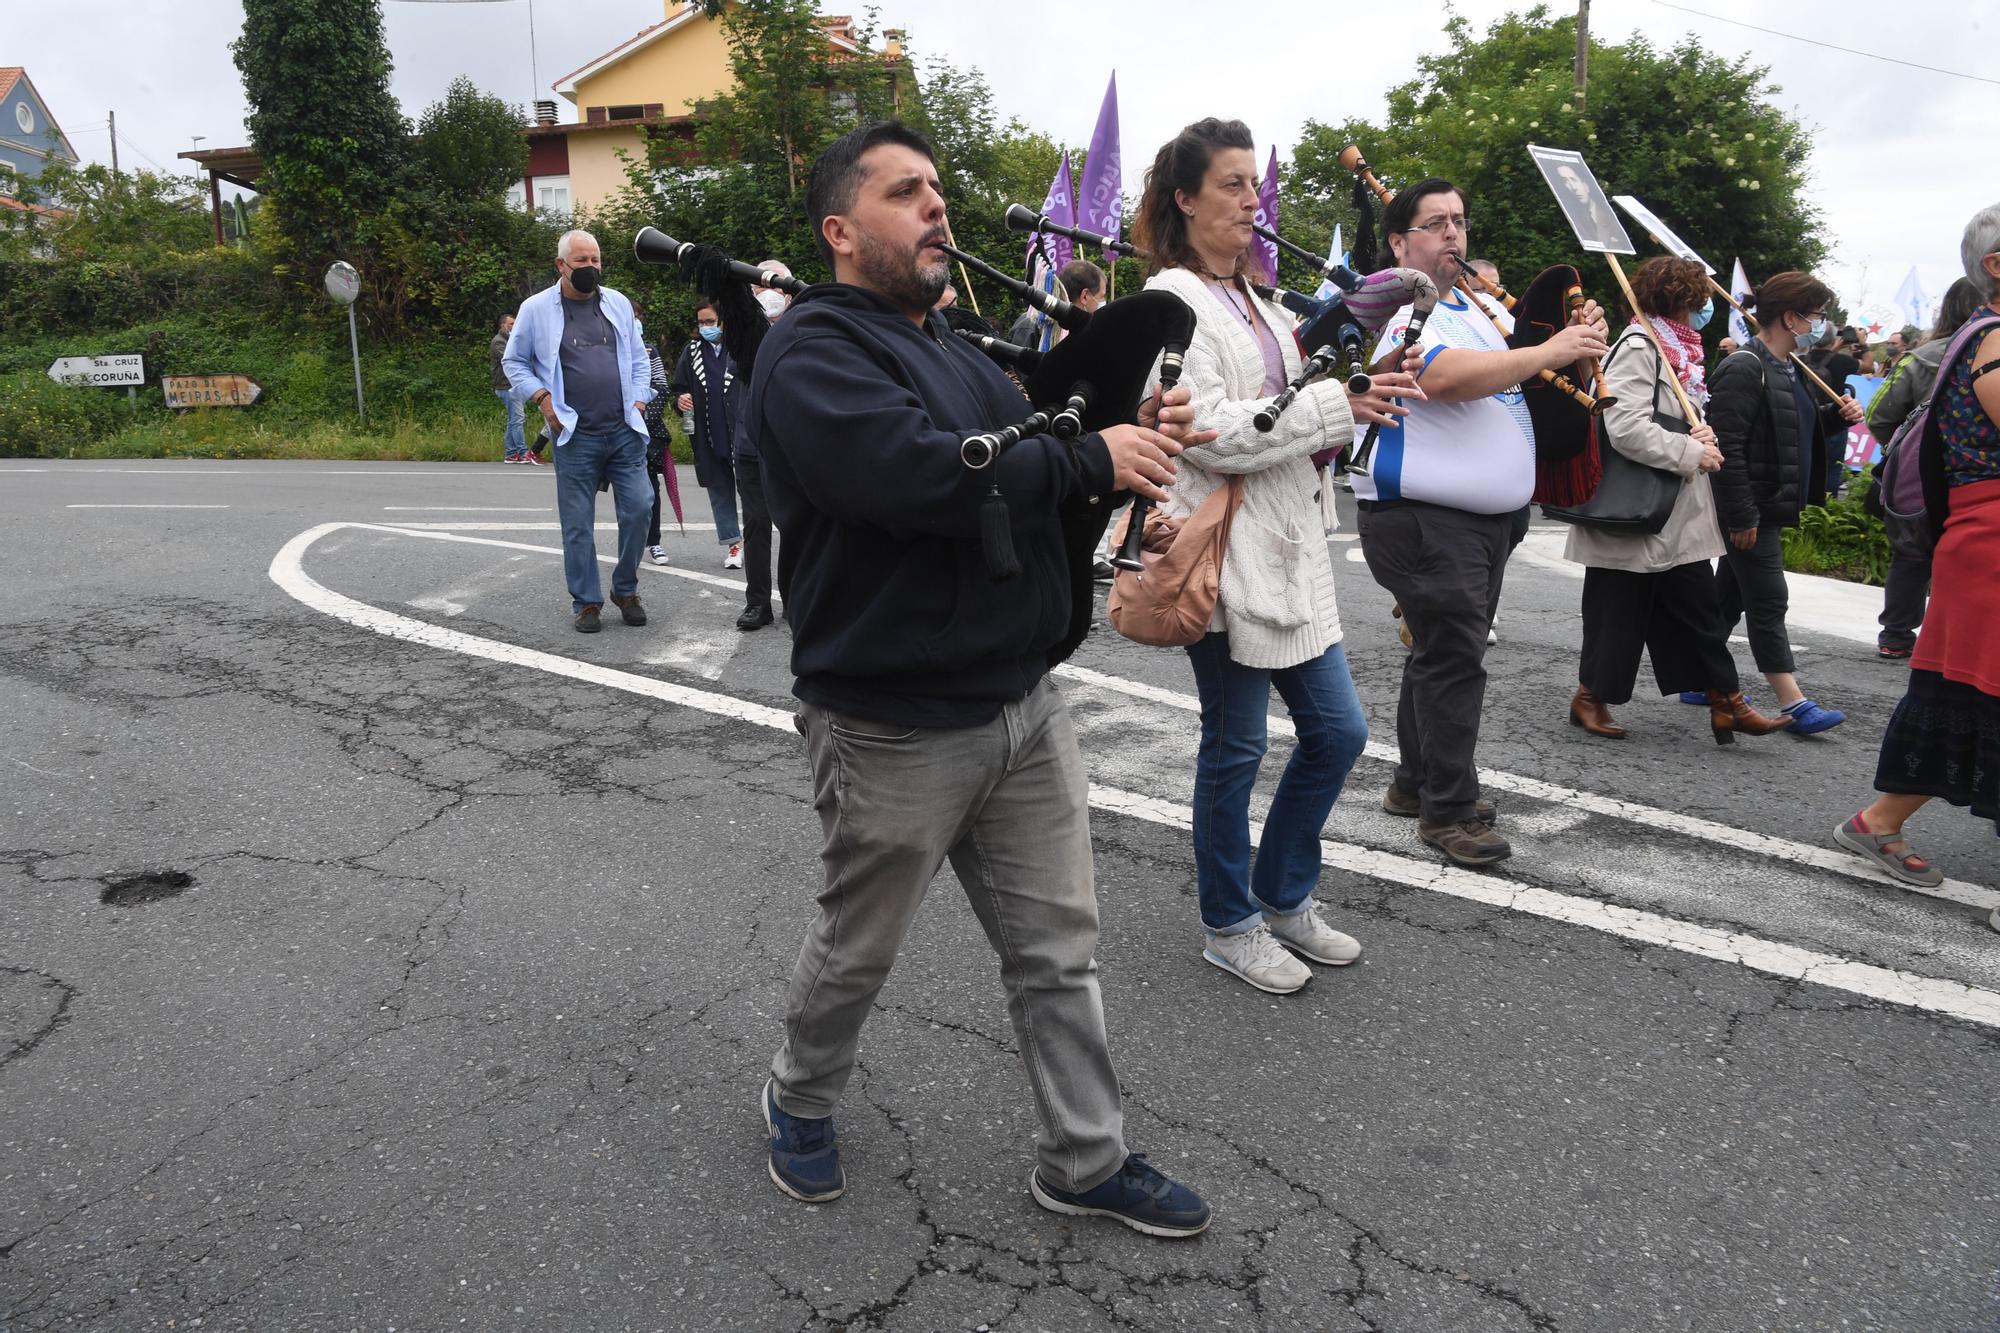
point(1275, 621)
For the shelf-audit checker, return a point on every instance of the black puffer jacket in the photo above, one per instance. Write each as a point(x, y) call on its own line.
point(1773, 465)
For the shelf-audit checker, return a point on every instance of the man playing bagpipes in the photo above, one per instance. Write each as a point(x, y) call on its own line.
point(1442, 507)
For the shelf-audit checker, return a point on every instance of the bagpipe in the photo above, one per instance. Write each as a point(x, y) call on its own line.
point(725, 281)
point(1567, 461)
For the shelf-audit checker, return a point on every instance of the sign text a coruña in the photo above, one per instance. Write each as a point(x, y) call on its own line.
point(210, 390)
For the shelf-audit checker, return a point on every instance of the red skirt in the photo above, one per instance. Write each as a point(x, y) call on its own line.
point(1960, 639)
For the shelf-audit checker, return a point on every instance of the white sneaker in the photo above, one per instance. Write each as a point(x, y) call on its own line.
point(1307, 933)
point(1258, 958)
point(656, 555)
point(734, 558)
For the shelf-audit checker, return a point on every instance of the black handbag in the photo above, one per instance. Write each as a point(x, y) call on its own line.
point(1632, 497)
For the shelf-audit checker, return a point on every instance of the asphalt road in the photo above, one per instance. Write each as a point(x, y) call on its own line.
point(379, 953)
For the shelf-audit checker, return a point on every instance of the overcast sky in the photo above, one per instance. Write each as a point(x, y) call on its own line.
point(1894, 165)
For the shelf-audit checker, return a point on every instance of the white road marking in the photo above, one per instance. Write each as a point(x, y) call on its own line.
point(444, 526)
point(1673, 821)
point(464, 509)
point(1356, 555)
point(1955, 999)
point(146, 506)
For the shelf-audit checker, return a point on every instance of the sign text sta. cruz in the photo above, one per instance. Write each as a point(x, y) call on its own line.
point(210, 390)
point(103, 372)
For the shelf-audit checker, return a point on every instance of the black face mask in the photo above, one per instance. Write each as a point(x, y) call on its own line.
point(584, 277)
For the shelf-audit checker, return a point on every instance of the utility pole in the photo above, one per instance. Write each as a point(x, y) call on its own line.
point(1582, 49)
point(114, 144)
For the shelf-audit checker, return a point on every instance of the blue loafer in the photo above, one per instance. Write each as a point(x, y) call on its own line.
point(1136, 1195)
point(805, 1161)
point(1809, 718)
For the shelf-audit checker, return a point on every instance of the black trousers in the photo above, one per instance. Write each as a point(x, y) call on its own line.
point(1905, 596)
point(1751, 586)
point(1444, 566)
point(1671, 615)
point(756, 532)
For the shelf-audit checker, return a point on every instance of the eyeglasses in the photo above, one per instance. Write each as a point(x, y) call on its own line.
point(1435, 227)
point(709, 323)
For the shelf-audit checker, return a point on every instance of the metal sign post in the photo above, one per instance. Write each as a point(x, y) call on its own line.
point(343, 284)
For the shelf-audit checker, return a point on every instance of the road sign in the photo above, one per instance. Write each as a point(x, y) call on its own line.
point(210, 390)
point(343, 282)
point(99, 371)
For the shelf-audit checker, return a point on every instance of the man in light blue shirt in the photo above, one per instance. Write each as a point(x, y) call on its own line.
point(576, 355)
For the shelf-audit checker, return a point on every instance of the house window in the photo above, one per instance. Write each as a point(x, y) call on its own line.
point(552, 194)
point(844, 105)
point(633, 112)
point(517, 196)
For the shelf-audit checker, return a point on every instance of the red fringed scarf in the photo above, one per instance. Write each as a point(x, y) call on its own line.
point(1684, 353)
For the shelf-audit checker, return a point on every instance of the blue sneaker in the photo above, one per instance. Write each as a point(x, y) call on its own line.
point(1699, 698)
point(805, 1163)
point(1136, 1195)
point(1808, 718)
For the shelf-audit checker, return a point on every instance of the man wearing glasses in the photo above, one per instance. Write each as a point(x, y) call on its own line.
point(1443, 507)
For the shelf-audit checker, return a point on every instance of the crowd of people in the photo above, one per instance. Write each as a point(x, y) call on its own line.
point(933, 731)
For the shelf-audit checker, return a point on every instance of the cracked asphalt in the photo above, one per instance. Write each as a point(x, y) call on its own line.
point(434, 992)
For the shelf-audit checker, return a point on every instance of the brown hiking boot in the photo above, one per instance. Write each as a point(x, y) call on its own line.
point(1468, 842)
point(1586, 710)
point(1731, 713)
point(587, 621)
point(629, 608)
point(1406, 805)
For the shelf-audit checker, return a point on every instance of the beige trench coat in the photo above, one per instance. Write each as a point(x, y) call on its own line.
point(1635, 373)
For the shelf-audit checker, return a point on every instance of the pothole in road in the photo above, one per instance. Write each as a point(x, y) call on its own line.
point(145, 886)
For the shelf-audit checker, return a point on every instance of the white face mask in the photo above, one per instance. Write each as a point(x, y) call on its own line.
point(774, 303)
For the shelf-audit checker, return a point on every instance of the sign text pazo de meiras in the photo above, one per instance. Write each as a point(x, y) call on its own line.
point(210, 390)
point(105, 372)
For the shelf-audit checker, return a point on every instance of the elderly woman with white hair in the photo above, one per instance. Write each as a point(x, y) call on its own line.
point(1944, 739)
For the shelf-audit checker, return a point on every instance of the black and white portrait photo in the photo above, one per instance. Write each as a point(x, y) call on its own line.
point(1583, 203)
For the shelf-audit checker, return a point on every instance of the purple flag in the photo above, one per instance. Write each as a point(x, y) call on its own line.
point(1100, 206)
point(1263, 254)
point(1059, 205)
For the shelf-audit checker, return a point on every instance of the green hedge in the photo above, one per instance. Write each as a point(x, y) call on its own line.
point(1840, 539)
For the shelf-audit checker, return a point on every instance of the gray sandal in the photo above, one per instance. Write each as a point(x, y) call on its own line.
point(1905, 865)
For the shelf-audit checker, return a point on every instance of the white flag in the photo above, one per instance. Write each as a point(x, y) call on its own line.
point(1739, 287)
point(1911, 301)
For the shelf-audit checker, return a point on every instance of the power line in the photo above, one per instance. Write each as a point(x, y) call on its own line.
point(1813, 41)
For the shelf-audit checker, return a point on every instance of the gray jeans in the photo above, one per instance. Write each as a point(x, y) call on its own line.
point(1007, 803)
point(1444, 566)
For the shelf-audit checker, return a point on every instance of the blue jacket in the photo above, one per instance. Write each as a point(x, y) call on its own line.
point(533, 359)
point(858, 413)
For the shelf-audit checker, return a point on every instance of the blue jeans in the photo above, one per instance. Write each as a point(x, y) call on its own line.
point(722, 504)
point(1235, 703)
point(517, 439)
point(581, 462)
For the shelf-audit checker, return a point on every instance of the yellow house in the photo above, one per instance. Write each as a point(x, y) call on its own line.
point(647, 85)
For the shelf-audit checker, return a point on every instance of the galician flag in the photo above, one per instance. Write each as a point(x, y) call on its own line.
point(1911, 301)
point(1336, 255)
point(1100, 204)
point(1263, 254)
point(1739, 287)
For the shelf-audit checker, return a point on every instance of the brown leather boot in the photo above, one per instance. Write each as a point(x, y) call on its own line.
point(1586, 710)
point(1731, 713)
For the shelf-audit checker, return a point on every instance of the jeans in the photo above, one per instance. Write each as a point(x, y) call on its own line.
point(1445, 567)
point(1235, 699)
point(581, 462)
point(756, 532)
point(1750, 586)
point(722, 503)
point(1006, 803)
point(516, 438)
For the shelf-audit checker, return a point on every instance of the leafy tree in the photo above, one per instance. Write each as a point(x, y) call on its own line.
point(334, 142)
point(97, 215)
point(1693, 135)
point(469, 145)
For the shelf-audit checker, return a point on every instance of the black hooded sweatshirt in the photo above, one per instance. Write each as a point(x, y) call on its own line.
point(858, 413)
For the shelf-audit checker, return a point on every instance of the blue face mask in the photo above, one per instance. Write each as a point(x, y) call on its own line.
point(711, 331)
point(1699, 319)
point(1817, 334)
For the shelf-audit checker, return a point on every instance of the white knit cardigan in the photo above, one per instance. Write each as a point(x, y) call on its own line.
point(1276, 600)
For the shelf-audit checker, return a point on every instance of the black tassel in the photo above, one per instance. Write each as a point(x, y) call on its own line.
point(996, 537)
point(1364, 228)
